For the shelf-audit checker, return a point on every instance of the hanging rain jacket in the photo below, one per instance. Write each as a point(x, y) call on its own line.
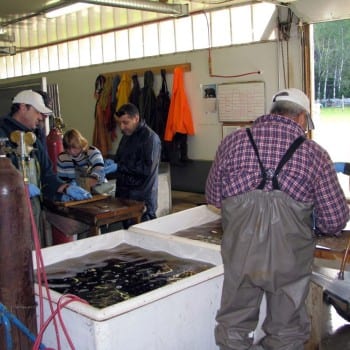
point(124, 90)
point(104, 122)
point(180, 116)
point(148, 101)
point(163, 104)
point(115, 85)
point(135, 93)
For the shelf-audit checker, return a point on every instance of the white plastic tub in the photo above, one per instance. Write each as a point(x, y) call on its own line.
point(170, 224)
point(177, 316)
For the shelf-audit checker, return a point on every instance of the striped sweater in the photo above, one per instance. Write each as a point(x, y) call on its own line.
point(88, 163)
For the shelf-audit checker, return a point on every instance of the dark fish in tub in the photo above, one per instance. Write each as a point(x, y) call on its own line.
point(124, 272)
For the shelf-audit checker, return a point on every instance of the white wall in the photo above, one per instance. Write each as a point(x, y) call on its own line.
point(76, 86)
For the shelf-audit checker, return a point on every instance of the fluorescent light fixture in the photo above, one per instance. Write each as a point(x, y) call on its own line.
point(7, 37)
point(7, 50)
point(65, 10)
point(144, 5)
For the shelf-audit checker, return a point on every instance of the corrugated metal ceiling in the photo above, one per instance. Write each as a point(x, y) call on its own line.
point(26, 23)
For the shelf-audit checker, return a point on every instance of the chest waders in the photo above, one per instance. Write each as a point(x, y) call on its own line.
point(267, 247)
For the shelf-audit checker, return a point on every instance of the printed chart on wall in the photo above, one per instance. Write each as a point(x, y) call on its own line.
point(241, 101)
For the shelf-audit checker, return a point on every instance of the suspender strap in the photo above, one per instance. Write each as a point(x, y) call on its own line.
point(293, 147)
point(262, 169)
point(289, 153)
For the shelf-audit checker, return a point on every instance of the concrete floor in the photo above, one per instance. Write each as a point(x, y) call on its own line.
point(337, 331)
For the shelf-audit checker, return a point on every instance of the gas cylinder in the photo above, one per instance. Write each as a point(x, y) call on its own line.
point(16, 265)
point(54, 146)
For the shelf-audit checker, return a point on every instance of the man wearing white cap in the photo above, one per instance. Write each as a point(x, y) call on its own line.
point(275, 188)
point(28, 111)
point(30, 98)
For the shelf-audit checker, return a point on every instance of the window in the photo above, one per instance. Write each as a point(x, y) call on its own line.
point(53, 58)
point(241, 25)
point(44, 59)
point(9, 66)
point(264, 22)
point(25, 63)
point(183, 41)
point(63, 56)
point(222, 27)
point(122, 45)
point(136, 42)
point(17, 62)
point(166, 37)
point(150, 40)
point(201, 31)
point(73, 54)
point(108, 47)
point(84, 50)
point(96, 52)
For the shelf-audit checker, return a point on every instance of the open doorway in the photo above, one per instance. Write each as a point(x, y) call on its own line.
point(331, 91)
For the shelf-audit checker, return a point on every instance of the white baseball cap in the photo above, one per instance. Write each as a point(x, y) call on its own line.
point(299, 98)
point(30, 97)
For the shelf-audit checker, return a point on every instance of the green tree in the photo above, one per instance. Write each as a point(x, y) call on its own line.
point(332, 59)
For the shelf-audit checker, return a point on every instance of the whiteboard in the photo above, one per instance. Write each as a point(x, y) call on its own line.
point(241, 101)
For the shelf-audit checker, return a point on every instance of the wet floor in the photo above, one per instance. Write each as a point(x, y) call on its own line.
point(336, 331)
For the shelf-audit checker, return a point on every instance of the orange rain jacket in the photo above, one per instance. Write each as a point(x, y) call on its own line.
point(179, 116)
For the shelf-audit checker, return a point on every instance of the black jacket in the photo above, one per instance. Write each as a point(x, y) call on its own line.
point(138, 157)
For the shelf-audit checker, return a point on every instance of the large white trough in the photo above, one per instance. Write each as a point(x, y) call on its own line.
point(177, 316)
point(179, 221)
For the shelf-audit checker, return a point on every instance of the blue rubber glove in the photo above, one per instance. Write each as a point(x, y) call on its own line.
point(110, 166)
point(77, 193)
point(339, 167)
point(33, 190)
point(66, 198)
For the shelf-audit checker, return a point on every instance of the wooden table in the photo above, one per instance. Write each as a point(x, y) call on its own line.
point(98, 211)
point(334, 248)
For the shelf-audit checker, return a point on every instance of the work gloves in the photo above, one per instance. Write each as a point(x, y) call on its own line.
point(33, 190)
point(110, 166)
point(75, 193)
point(339, 167)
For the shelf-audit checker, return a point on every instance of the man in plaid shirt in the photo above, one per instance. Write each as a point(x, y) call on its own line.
point(270, 208)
